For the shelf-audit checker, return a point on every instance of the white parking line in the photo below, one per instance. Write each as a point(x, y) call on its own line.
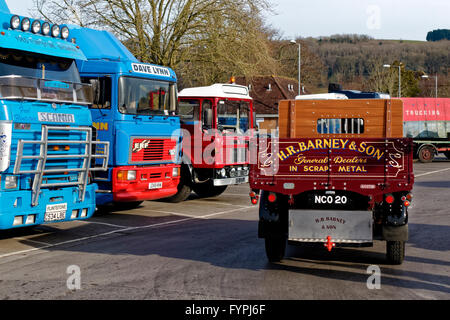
point(432, 172)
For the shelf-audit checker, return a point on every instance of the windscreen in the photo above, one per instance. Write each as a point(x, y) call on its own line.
point(146, 96)
point(233, 115)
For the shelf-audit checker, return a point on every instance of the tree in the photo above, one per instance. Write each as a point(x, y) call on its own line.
point(439, 34)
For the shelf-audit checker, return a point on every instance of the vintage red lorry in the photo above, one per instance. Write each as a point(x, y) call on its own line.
point(217, 123)
point(340, 173)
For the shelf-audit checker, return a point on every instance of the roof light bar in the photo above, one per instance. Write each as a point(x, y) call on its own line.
point(45, 28)
point(55, 31)
point(25, 25)
point(64, 32)
point(36, 26)
point(15, 22)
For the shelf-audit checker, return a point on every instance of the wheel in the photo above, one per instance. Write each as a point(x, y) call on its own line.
point(275, 248)
point(184, 190)
point(395, 251)
point(127, 205)
point(426, 154)
point(207, 189)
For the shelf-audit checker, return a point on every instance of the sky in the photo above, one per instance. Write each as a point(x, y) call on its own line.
point(381, 19)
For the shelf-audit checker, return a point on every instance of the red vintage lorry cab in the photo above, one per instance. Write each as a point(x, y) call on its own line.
point(217, 123)
point(340, 173)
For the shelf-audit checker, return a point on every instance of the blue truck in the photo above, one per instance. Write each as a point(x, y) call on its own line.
point(134, 109)
point(47, 144)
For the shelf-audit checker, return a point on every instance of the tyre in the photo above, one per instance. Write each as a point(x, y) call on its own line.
point(184, 190)
point(207, 189)
point(426, 154)
point(275, 248)
point(395, 251)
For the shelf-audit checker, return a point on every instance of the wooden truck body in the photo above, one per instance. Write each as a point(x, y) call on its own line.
point(340, 173)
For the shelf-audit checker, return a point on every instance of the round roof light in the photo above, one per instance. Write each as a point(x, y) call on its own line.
point(64, 32)
point(15, 22)
point(45, 28)
point(55, 30)
point(26, 23)
point(36, 26)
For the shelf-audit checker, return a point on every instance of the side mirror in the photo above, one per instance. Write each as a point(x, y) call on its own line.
point(96, 88)
point(207, 118)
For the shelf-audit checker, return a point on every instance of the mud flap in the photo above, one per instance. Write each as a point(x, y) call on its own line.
point(394, 233)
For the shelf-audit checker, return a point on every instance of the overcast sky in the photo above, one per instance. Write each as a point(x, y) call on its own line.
point(381, 19)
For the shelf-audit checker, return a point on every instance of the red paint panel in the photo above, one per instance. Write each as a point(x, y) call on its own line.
point(426, 109)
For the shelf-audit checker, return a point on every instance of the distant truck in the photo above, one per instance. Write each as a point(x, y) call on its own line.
point(46, 139)
point(134, 109)
point(426, 120)
point(340, 174)
point(218, 122)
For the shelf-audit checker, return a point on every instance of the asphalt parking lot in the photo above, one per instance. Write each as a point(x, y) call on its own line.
point(208, 249)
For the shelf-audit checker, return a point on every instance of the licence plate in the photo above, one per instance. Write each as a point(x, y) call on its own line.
point(55, 212)
point(330, 199)
point(155, 185)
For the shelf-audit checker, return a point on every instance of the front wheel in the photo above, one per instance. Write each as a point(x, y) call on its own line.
point(426, 154)
point(275, 248)
point(184, 190)
point(395, 251)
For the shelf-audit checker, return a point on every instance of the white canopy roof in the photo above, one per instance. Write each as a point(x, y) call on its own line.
point(220, 90)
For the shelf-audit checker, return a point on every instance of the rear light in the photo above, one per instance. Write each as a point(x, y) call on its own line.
point(409, 196)
point(389, 199)
point(406, 203)
point(272, 197)
point(252, 194)
point(254, 200)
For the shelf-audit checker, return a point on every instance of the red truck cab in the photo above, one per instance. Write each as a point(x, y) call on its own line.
point(217, 123)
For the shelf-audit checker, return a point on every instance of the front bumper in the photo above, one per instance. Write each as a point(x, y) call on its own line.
point(229, 181)
point(19, 203)
point(139, 189)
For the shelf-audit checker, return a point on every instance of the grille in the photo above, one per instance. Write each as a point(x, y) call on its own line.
point(152, 150)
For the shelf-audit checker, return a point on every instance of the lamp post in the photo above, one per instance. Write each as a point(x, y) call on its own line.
point(425, 76)
point(299, 65)
point(399, 78)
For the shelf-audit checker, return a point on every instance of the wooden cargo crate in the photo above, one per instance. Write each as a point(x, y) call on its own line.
point(370, 118)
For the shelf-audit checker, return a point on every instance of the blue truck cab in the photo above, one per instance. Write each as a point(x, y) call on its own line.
point(134, 109)
point(46, 137)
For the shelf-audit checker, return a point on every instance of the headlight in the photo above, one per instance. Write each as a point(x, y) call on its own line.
point(15, 22)
point(64, 32)
point(25, 24)
point(10, 182)
point(36, 26)
point(233, 172)
point(175, 172)
point(55, 30)
point(131, 175)
point(223, 173)
point(45, 28)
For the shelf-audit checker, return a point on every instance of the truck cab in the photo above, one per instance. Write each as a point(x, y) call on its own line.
point(46, 136)
point(134, 109)
point(217, 123)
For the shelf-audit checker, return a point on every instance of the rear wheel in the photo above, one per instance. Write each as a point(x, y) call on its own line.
point(275, 248)
point(207, 189)
point(395, 251)
point(426, 154)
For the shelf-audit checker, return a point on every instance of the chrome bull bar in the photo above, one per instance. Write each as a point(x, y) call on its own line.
point(42, 158)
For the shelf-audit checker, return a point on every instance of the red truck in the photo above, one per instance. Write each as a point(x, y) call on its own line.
point(340, 174)
point(217, 123)
point(427, 121)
